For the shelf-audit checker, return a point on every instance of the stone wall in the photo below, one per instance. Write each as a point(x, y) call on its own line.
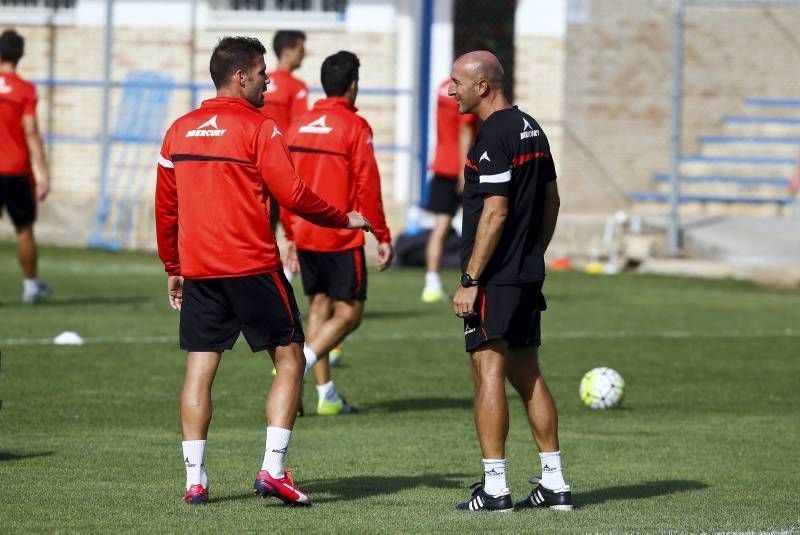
point(75, 112)
point(618, 78)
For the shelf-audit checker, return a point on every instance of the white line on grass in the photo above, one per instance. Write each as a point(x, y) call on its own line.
point(565, 335)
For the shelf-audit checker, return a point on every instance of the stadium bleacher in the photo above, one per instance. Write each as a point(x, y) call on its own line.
point(749, 163)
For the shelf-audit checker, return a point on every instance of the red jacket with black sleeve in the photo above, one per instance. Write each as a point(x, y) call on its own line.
point(217, 168)
point(332, 150)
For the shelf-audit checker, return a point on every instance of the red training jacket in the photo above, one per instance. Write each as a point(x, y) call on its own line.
point(17, 99)
point(217, 168)
point(332, 150)
point(285, 99)
point(448, 160)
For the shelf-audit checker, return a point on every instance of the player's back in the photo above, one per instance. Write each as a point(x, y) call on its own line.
point(17, 98)
point(222, 198)
point(323, 143)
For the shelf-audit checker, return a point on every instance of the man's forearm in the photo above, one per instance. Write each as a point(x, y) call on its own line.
point(487, 236)
point(36, 148)
point(548, 224)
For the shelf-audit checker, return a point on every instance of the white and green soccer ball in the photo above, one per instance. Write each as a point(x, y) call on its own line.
point(602, 388)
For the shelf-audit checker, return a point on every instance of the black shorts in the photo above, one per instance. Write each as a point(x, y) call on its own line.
point(16, 194)
point(443, 198)
point(340, 275)
point(262, 307)
point(511, 313)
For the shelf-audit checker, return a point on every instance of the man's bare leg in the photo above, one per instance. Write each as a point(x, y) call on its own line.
point(26, 251)
point(526, 377)
point(345, 318)
point(281, 412)
point(196, 410)
point(284, 396)
point(491, 414)
point(491, 406)
point(433, 258)
point(320, 310)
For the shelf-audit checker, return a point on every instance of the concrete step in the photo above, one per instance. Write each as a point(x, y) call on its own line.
point(721, 189)
point(764, 125)
point(783, 146)
point(654, 202)
point(738, 165)
point(789, 107)
point(775, 181)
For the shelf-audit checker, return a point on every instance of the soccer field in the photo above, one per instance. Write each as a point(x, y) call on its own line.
point(706, 440)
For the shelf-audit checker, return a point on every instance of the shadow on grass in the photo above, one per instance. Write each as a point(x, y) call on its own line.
point(8, 456)
point(78, 301)
point(638, 491)
point(399, 313)
point(419, 404)
point(359, 487)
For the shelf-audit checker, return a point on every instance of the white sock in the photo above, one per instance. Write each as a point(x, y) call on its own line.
point(552, 478)
point(194, 455)
point(30, 286)
point(328, 392)
point(289, 275)
point(311, 358)
point(494, 477)
point(275, 450)
point(433, 280)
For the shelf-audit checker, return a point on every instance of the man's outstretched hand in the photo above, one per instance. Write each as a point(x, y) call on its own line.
point(356, 220)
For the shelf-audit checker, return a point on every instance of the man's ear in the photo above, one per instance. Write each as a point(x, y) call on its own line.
point(483, 88)
point(240, 76)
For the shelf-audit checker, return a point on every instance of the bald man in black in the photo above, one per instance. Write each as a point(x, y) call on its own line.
point(510, 209)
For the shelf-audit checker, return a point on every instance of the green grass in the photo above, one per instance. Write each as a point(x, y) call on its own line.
point(706, 440)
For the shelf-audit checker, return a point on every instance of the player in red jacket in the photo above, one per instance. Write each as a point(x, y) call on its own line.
point(332, 149)
point(286, 97)
point(217, 169)
point(454, 135)
point(21, 184)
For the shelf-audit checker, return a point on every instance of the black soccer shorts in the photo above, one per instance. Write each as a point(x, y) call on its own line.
point(340, 275)
point(16, 194)
point(262, 307)
point(443, 198)
point(511, 313)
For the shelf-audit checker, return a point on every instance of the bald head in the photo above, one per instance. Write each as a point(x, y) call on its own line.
point(477, 83)
point(482, 65)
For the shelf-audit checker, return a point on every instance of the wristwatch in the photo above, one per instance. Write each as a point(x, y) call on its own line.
point(467, 281)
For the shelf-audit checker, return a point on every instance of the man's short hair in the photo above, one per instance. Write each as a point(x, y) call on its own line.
point(338, 72)
point(286, 39)
point(232, 54)
point(12, 46)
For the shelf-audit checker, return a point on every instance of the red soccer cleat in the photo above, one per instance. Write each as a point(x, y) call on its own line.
point(284, 489)
point(196, 495)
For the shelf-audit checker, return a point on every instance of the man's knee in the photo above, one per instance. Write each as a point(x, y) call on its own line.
point(489, 360)
point(351, 316)
point(25, 231)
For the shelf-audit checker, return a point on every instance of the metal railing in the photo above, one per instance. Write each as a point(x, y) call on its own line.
point(334, 6)
point(37, 4)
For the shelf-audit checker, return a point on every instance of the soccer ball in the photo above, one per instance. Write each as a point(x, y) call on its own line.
point(602, 388)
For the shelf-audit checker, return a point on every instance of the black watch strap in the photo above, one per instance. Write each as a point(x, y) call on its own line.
point(467, 281)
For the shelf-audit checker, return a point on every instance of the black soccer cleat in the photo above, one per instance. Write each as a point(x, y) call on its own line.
point(544, 497)
point(481, 501)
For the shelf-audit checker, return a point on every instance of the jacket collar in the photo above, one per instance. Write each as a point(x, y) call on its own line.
point(218, 102)
point(334, 102)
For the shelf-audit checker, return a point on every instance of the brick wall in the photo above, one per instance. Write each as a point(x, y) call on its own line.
point(66, 216)
point(618, 76)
